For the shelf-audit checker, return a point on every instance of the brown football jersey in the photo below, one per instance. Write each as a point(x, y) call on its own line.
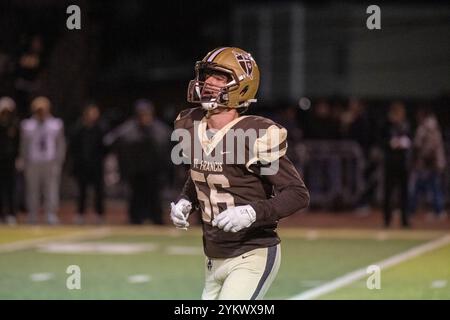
point(244, 163)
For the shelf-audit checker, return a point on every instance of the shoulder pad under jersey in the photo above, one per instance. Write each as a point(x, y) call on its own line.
point(186, 118)
point(271, 142)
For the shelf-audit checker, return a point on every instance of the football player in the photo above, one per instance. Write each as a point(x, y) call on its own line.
point(242, 192)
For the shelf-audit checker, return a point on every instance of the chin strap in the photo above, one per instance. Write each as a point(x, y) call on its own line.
point(212, 106)
point(244, 106)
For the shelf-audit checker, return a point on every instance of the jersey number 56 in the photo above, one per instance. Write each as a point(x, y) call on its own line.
point(211, 201)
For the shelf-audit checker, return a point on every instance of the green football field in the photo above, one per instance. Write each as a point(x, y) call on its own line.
point(165, 263)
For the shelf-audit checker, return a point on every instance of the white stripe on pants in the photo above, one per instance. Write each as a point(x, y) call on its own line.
point(245, 277)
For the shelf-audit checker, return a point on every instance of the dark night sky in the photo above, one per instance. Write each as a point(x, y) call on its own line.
point(185, 28)
point(141, 47)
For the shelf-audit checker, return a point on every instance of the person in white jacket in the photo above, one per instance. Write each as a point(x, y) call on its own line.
point(429, 164)
point(42, 151)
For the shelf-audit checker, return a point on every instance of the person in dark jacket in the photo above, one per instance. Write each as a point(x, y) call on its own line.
point(88, 153)
point(142, 146)
point(397, 144)
point(9, 148)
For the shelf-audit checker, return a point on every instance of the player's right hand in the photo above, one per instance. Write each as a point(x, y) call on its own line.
point(179, 213)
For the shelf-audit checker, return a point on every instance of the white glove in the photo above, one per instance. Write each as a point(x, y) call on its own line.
point(179, 213)
point(235, 219)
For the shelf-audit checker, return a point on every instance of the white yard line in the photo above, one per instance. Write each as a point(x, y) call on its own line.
point(139, 278)
point(361, 273)
point(40, 277)
point(184, 250)
point(31, 243)
point(438, 284)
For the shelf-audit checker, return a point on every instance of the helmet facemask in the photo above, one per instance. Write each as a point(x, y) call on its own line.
point(208, 95)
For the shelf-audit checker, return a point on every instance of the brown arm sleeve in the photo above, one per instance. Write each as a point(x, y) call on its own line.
point(291, 194)
point(189, 192)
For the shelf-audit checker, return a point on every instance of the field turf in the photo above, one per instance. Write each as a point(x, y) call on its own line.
point(165, 263)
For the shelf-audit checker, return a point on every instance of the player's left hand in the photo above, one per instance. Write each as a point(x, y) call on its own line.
point(235, 219)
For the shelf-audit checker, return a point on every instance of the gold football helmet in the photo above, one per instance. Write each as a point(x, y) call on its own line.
point(243, 79)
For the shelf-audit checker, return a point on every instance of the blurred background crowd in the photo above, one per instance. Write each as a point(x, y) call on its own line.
point(89, 112)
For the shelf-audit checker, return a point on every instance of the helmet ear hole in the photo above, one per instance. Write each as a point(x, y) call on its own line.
point(244, 90)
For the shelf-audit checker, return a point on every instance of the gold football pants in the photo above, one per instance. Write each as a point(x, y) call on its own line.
point(245, 277)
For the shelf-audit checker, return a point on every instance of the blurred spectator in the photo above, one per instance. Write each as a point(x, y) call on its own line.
point(42, 150)
point(355, 124)
point(28, 67)
point(142, 145)
point(397, 143)
point(88, 152)
point(288, 118)
point(429, 164)
point(9, 142)
point(322, 124)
